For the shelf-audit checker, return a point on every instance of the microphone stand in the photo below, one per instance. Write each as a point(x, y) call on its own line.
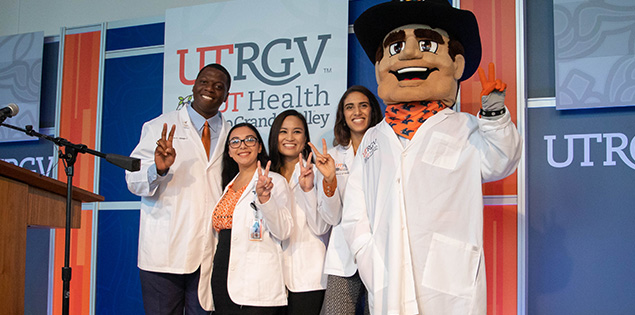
point(69, 156)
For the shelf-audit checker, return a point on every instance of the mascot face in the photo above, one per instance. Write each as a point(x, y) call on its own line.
point(416, 66)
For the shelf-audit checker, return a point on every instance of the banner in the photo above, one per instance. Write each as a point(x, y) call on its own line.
point(580, 216)
point(594, 55)
point(281, 55)
point(20, 79)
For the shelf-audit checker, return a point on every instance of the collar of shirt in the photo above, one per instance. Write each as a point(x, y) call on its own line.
point(198, 121)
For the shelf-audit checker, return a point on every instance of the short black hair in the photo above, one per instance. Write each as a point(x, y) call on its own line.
point(219, 68)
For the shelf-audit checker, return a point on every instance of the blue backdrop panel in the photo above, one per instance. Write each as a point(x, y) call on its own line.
point(36, 274)
point(48, 93)
point(132, 96)
point(541, 76)
point(361, 70)
point(135, 36)
point(581, 217)
point(118, 290)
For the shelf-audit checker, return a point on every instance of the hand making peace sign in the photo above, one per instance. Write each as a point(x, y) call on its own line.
point(305, 179)
point(324, 162)
point(264, 184)
point(490, 84)
point(164, 154)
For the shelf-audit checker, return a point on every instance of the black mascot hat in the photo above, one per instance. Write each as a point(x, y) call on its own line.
point(375, 23)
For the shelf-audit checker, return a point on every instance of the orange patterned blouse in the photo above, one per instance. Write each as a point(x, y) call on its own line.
point(224, 211)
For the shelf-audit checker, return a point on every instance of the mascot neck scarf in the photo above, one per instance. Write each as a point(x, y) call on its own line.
point(406, 118)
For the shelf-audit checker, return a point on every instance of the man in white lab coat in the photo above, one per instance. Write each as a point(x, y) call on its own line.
point(178, 193)
point(413, 209)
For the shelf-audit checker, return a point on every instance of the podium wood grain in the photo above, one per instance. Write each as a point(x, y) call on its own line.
point(28, 199)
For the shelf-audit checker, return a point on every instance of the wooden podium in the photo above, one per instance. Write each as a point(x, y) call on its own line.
point(28, 199)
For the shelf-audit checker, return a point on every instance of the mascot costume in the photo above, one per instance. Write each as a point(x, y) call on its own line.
point(413, 209)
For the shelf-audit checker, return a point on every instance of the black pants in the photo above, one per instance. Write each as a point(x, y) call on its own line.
point(170, 294)
point(305, 303)
point(222, 302)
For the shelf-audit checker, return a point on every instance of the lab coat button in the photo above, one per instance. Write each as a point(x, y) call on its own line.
point(398, 180)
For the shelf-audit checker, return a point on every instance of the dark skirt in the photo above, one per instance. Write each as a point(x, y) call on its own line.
point(223, 304)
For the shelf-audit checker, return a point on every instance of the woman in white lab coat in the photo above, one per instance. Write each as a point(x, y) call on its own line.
point(250, 221)
point(358, 110)
point(304, 251)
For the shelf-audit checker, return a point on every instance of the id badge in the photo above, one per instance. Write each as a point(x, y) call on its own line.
point(255, 230)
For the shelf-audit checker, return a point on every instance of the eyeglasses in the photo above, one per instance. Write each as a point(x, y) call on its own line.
point(234, 143)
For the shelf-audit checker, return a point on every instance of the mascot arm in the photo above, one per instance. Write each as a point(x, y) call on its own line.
point(492, 95)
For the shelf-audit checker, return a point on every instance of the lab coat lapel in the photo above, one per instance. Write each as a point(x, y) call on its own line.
point(191, 132)
point(294, 181)
point(220, 144)
point(390, 159)
point(251, 188)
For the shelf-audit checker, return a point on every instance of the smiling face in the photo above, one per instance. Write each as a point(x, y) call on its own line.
point(210, 90)
point(416, 66)
point(244, 155)
point(357, 112)
point(291, 138)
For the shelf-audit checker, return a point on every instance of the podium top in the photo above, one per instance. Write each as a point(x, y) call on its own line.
point(31, 178)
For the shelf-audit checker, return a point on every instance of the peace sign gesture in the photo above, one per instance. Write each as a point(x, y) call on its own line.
point(493, 93)
point(264, 184)
point(305, 179)
point(490, 84)
point(164, 154)
point(324, 162)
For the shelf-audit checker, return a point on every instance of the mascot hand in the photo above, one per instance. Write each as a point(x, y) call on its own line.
point(493, 93)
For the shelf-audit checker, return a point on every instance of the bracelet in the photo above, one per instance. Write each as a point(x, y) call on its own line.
point(492, 113)
point(329, 189)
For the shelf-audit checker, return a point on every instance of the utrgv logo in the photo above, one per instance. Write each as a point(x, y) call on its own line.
point(249, 57)
point(612, 148)
point(370, 150)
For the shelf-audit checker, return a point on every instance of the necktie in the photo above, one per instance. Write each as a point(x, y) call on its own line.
point(406, 118)
point(205, 138)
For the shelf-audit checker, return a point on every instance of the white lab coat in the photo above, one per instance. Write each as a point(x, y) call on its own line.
point(339, 259)
point(255, 275)
point(304, 251)
point(413, 216)
point(176, 207)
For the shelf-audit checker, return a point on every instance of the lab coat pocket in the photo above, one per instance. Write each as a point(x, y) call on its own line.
point(154, 242)
point(442, 151)
point(451, 266)
point(264, 280)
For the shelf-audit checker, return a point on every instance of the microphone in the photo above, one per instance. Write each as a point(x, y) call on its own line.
point(125, 162)
point(11, 110)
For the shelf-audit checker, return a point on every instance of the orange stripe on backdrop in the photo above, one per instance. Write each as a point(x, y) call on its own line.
point(499, 234)
point(78, 124)
point(497, 25)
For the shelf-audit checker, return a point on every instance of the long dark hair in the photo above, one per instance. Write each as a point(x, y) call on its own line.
point(276, 159)
point(342, 131)
point(230, 167)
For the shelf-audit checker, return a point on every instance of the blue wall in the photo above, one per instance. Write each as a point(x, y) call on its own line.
point(580, 218)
